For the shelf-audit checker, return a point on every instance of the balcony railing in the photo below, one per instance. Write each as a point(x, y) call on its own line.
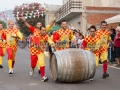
point(66, 8)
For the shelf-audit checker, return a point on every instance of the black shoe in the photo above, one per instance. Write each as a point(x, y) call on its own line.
point(39, 71)
point(100, 62)
point(105, 75)
point(1, 66)
point(10, 73)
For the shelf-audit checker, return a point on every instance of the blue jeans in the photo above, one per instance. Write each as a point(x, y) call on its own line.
point(111, 54)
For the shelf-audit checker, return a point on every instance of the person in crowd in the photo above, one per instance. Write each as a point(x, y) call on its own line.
point(71, 27)
point(117, 46)
point(49, 46)
point(111, 53)
point(87, 32)
point(80, 40)
point(76, 37)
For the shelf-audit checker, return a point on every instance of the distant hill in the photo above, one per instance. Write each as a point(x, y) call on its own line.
point(7, 15)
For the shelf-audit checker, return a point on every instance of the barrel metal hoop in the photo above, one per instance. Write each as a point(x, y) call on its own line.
point(60, 75)
point(88, 64)
point(70, 67)
point(90, 60)
point(85, 61)
point(58, 61)
point(94, 65)
point(70, 73)
point(65, 52)
point(57, 64)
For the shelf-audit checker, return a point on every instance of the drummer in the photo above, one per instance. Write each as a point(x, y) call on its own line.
point(63, 36)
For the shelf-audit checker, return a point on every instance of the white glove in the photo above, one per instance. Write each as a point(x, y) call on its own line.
point(47, 55)
point(14, 35)
point(4, 41)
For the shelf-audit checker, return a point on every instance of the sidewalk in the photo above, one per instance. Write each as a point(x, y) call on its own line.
point(114, 63)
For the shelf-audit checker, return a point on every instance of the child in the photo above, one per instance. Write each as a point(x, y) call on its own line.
point(80, 40)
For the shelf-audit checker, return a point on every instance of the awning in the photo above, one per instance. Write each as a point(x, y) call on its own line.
point(54, 28)
point(114, 19)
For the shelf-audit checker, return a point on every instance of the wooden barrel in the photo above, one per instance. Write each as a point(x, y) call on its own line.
point(72, 65)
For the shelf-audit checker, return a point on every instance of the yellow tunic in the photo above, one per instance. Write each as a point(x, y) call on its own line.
point(63, 35)
point(11, 38)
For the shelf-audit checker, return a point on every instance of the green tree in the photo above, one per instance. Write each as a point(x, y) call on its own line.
point(4, 24)
point(32, 12)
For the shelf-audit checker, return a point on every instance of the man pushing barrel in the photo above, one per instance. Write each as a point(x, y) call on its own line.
point(92, 43)
point(102, 46)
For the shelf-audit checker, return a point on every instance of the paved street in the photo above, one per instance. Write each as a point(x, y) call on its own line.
point(21, 80)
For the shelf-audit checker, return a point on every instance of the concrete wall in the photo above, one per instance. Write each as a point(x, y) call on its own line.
point(51, 13)
point(49, 17)
point(75, 21)
point(64, 1)
point(83, 20)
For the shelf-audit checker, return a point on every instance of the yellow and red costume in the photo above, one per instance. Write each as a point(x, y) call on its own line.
point(92, 43)
point(37, 55)
point(2, 46)
point(11, 36)
point(33, 55)
point(104, 39)
point(64, 37)
point(103, 51)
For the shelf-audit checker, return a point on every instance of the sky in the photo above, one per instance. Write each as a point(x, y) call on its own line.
point(9, 4)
